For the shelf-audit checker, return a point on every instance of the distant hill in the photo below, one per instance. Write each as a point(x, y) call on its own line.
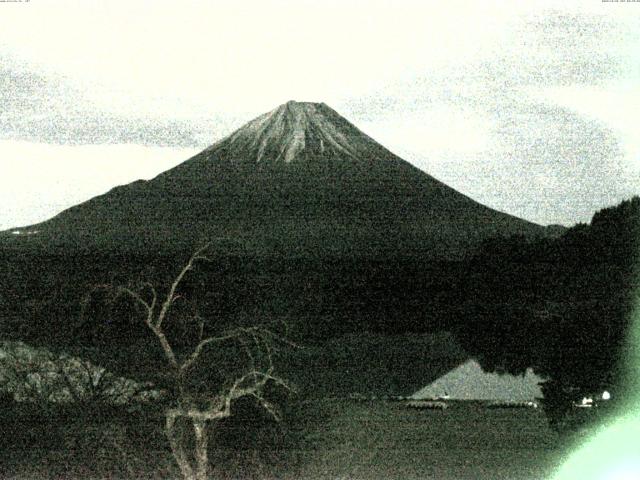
point(299, 180)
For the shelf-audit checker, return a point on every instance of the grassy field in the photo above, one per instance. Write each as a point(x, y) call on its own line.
point(335, 439)
point(371, 440)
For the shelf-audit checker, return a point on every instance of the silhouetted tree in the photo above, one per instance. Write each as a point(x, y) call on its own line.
point(200, 404)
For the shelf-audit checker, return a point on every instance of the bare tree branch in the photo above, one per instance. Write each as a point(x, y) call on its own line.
point(149, 307)
point(171, 296)
point(197, 351)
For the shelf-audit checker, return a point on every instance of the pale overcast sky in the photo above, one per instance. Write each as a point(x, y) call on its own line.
point(528, 107)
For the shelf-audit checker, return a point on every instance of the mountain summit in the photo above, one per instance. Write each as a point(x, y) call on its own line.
point(300, 179)
point(294, 131)
point(304, 134)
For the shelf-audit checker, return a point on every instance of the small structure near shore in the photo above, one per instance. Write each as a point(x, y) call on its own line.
point(426, 405)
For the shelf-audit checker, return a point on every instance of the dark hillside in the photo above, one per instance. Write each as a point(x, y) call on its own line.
point(563, 306)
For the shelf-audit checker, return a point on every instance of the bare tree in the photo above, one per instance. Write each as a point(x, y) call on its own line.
point(199, 409)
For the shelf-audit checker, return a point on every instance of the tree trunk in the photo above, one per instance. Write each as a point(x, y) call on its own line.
point(202, 458)
point(177, 448)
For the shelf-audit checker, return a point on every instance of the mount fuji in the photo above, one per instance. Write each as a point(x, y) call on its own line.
point(298, 180)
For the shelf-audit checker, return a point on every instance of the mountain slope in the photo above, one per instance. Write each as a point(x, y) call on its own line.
point(297, 180)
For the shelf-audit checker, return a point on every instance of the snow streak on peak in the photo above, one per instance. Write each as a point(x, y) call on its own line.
point(285, 133)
